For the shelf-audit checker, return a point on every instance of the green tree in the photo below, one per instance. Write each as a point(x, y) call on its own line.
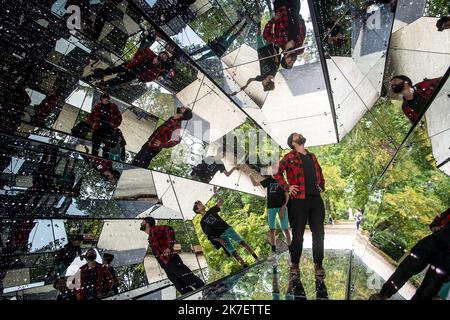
point(157, 103)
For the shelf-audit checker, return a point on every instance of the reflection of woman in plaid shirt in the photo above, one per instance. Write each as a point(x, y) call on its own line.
point(286, 30)
point(161, 240)
point(433, 250)
point(166, 136)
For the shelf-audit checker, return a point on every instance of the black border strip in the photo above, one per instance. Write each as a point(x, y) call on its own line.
point(349, 287)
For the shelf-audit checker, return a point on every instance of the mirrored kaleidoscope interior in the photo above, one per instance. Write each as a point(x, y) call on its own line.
point(116, 111)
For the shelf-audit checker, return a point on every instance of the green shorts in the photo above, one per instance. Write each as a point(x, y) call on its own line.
point(229, 235)
point(444, 293)
point(272, 218)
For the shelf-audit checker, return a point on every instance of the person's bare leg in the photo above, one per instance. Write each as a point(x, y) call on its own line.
point(249, 249)
point(272, 237)
point(287, 234)
point(239, 259)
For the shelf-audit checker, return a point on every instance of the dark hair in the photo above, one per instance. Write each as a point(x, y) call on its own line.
point(289, 141)
point(195, 208)
point(91, 249)
point(284, 64)
point(150, 221)
point(105, 96)
point(108, 257)
point(404, 78)
point(269, 86)
point(77, 237)
point(440, 23)
point(116, 173)
point(57, 280)
point(187, 114)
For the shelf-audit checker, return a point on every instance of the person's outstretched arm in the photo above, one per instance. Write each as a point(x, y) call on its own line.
point(244, 87)
point(229, 173)
point(279, 175)
point(220, 201)
point(253, 180)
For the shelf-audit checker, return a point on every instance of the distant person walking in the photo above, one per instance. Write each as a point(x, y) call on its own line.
point(358, 218)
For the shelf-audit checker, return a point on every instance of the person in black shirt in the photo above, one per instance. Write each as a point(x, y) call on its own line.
point(107, 261)
point(309, 172)
point(219, 45)
point(277, 199)
point(64, 293)
point(219, 232)
point(207, 169)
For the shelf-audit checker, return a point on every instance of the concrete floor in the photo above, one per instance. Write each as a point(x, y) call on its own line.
point(345, 236)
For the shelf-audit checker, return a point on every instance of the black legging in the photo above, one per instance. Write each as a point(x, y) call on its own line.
point(145, 156)
point(124, 74)
point(312, 211)
point(103, 134)
point(220, 45)
point(180, 275)
point(428, 251)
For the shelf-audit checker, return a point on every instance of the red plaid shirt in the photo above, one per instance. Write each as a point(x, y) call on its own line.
point(114, 115)
point(19, 234)
point(168, 134)
point(160, 239)
point(441, 220)
point(292, 164)
point(276, 31)
point(104, 280)
point(423, 91)
point(145, 56)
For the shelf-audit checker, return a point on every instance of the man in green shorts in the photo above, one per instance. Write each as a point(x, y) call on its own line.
point(276, 205)
point(221, 233)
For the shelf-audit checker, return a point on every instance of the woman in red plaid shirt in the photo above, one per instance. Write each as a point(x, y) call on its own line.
point(304, 183)
point(166, 136)
point(415, 97)
point(286, 30)
point(162, 240)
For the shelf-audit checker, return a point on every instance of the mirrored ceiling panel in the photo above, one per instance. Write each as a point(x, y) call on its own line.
point(247, 58)
point(114, 87)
